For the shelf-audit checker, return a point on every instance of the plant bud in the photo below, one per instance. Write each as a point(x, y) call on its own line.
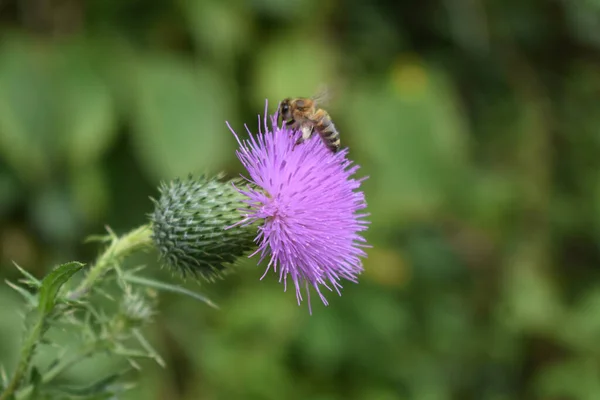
point(189, 227)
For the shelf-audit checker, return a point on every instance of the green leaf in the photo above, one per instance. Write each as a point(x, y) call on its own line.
point(581, 326)
point(531, 300)
point(301, 12)
point(3, 377)
point(53, 282)
point(53, 211)
point(582, 21)
point(90, 191)
point(53, 106)
point(36, 382)
point(86, 117)
point(30, 298)
point(27, 106)
point(179, 117)
point(30, 279)
point(412, 134)
point(10, 193)
point(149, 349)
point(575, 378)
point(105, 388)
point(287, 67)
point(217, 26)
point(168, 288)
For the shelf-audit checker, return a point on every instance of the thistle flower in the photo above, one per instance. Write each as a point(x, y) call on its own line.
point(189, 222)
point(307, 204)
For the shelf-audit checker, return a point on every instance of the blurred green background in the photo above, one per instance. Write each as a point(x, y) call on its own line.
point(477, 122)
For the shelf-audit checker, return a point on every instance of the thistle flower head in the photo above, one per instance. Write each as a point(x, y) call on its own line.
point(189, 222)
point(308, 206)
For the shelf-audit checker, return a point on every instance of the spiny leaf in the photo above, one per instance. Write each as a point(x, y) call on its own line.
point(134, 364)
point(30, 298)
point(139, 268)
point(31, 280)
point(169, 288)
point(98, 238)
point(36, 381)
point(53, 282)
point(105, 294)
point(105, 388)
point(146, 345)
point(125, 352)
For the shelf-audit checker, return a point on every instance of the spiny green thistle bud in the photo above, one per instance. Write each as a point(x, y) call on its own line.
point(189, 226)
point(136, 309)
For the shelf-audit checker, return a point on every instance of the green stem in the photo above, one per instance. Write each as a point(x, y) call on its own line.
point(61, 366)
point(26, 355)
point(119, 248)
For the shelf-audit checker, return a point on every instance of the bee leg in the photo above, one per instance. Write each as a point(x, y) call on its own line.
point(307, 132)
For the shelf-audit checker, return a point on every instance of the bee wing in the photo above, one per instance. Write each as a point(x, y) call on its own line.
point(323, 95)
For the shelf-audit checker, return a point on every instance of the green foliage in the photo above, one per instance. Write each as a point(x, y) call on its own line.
point(276, 64)
point(54, 108)
point(98, 329)
point(52, 283)
point(478, 124)
point(179, 111)
point(151, 283)
point(417, 165)
point(48, 292)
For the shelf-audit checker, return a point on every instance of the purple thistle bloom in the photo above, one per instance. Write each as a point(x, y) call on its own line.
point(308, 205)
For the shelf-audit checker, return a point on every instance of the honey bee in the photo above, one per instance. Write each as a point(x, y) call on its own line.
point(303, 113)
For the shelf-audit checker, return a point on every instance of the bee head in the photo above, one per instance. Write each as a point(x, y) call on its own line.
point(284, 109)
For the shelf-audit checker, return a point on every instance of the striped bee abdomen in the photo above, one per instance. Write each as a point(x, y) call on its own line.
point(327, 130)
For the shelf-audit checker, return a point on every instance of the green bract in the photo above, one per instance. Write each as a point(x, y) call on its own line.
point(189, 226)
